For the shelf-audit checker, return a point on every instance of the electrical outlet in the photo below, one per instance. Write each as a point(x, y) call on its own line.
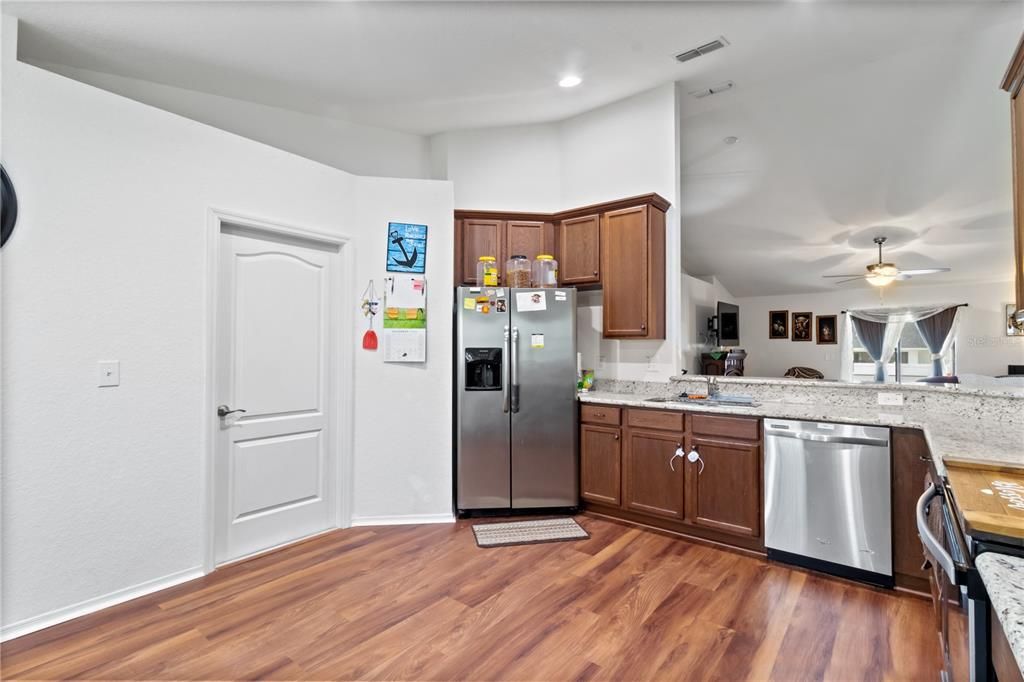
point(890, 398)
point(109, 373)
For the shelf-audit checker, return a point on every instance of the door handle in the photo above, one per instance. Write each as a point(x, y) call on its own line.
point(931, 543)
point(224, 410)
point(505, 373)
point(819, 438)
point(515, 369)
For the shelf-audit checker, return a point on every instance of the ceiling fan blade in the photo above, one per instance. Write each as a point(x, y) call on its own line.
point(923, 271)
point(858, 278)
point(831, 276)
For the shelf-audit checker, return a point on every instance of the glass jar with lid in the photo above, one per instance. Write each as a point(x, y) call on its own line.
point(517, 272)
point(487, 271)
point(545, 272)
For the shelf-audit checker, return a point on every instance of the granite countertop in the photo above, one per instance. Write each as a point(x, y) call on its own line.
point(1004, 580)
point(993, 390)
point(947, 436)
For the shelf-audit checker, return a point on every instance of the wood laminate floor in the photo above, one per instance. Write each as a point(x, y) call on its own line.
point(424, 603)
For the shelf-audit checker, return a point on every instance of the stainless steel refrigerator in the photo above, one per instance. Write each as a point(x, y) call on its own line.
point(515, 400)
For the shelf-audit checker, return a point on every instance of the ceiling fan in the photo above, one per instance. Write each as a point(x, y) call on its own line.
point(880, 274)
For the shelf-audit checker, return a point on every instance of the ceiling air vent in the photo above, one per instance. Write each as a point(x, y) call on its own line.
point(713, 90)
point(702, 50)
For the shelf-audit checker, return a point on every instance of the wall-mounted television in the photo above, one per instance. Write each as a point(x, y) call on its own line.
point(728, 324)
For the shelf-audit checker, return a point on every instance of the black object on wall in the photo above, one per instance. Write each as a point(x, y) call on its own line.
point(8, 207)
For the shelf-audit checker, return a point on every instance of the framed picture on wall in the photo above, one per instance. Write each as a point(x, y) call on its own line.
point(802, 326)
point(407, 248)
point(826, 329)
point(778, 324)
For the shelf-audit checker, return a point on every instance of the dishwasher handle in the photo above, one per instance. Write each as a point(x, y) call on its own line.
point(932, 544)
point(823, 438)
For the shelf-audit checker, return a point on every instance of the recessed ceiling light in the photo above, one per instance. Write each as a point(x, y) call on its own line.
point(732, 139)
point(570, 81)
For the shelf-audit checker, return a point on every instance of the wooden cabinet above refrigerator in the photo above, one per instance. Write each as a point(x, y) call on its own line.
point(616, 246)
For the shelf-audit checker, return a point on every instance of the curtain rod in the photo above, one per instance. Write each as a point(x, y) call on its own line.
point(958, 305)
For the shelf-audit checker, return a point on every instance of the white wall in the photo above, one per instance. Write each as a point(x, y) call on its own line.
point(360, 149)
point(516, 168)
point(700, 298)
point(619, 150)
point(103, 490)
point(403, 466)
point(982, 347)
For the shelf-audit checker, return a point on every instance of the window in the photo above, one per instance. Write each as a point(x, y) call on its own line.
point(911, 360)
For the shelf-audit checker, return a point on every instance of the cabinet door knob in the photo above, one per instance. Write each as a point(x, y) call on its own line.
point(595, 273)
point(643, 326)
point(694, 456)
point(616, 436)
point(672, 459)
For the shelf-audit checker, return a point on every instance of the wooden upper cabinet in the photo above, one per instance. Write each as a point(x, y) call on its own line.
point(579, 250)
point(480, 238)
point(600, 464)
point(618, 246)
point(633, 272)
point(1013, 82)
point(524, 238)
point(723, 488)
point(653, 475)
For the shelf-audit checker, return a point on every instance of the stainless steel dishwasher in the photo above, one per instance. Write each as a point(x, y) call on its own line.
point(827, 498)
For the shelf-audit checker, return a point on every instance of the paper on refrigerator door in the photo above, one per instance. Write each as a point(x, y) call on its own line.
point(531, 301)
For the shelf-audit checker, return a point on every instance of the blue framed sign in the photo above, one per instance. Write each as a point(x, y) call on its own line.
point(407, 248)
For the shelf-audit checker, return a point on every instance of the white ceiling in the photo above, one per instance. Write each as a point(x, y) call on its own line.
point(854, 118)
point(913, 145)
point(426, 67)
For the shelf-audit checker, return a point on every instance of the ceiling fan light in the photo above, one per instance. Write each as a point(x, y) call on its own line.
point(879, 280)
point(887, 270)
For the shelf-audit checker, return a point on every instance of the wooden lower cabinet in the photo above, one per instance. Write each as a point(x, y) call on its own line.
point(601, 464)
point(910, 459)
point(723, 487)
point(632, 472)
point(653, 473)
point(638, 473)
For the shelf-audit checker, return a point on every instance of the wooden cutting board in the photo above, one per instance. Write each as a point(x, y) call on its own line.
point(990, 495)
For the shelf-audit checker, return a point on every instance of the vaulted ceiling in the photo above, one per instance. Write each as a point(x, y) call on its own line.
point(853, 119)
point(427, 67)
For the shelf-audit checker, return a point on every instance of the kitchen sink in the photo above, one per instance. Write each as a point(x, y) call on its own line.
point(717, 401)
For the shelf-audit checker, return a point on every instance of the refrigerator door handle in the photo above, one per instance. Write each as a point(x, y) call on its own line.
point(515, 369)
point(504, 372)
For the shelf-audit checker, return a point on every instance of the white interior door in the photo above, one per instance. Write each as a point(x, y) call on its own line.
point(276, 456)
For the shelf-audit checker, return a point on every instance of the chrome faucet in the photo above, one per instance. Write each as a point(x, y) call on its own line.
point(712, 386)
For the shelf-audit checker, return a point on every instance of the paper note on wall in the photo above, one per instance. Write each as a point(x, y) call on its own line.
point(405, 319)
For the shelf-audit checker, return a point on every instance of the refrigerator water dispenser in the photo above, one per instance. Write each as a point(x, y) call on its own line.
point(483, 369)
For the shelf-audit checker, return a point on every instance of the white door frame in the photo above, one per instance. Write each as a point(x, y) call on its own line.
point(341, 370)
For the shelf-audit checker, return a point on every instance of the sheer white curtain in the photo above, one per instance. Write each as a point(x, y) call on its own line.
point(894, 319)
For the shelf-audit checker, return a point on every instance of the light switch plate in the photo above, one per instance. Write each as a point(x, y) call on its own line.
point(109, 373)
point(890, 398)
